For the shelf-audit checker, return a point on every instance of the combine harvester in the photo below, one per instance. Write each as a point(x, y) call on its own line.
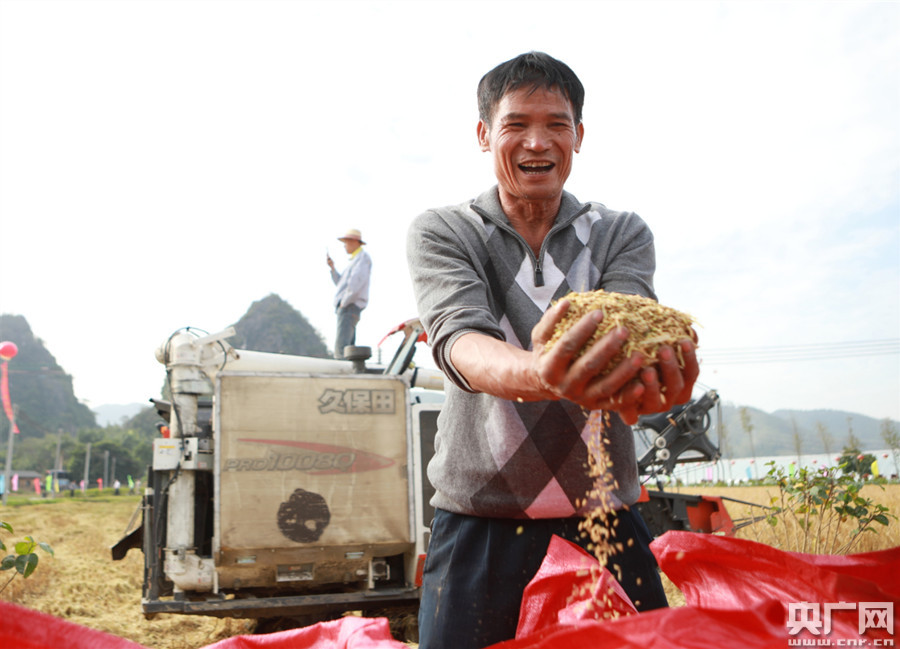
point(290, 486)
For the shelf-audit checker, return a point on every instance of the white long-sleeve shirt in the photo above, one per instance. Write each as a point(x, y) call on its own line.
point(353, 283)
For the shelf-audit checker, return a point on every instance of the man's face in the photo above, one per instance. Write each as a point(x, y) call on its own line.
point(533, 137)
point(350, 245)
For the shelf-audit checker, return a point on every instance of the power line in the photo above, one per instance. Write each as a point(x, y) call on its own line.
point(798, 353)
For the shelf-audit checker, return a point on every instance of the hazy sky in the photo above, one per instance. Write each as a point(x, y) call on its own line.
point(167, 163)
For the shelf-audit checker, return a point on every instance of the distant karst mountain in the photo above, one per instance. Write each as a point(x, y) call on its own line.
point(40, 389)
point(783, 431)
point(273, 325)
point(269, 325)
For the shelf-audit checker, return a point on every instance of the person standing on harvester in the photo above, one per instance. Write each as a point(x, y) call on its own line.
point(352, 293)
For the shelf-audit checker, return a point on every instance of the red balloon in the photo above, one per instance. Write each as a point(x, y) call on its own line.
point(8, 350)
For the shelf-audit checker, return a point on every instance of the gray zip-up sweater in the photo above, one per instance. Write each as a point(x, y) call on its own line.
point(472, 271)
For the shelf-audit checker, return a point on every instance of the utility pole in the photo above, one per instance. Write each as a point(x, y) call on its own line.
point(56, 465)
point(87, 467)
point(7, 481)
point(8, 350)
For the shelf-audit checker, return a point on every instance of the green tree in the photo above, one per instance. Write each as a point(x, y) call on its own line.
point(854, 461)
point(128, 449)
point(32, 453)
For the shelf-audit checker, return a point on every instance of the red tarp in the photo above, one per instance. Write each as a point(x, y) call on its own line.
point(565, 589)
point(346, 633)
point(22, 628)
point(728, 573)
point(738, 593)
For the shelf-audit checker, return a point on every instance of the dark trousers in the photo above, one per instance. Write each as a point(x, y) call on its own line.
point(347, 319)
point(477, 569)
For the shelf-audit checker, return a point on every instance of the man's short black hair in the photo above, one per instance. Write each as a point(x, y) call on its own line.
point(535, 70)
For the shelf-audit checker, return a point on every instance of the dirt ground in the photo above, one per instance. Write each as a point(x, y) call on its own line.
point(82, 584)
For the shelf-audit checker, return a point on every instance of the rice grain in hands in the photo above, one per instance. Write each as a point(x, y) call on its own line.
point(650, 324)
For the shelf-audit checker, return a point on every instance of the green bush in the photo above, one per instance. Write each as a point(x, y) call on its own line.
point(821, 510)
point(24, 559)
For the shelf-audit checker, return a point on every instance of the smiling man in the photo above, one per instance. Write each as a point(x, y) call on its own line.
point(511, 452)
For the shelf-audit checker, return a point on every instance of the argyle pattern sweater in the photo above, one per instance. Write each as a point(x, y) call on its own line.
point(471, 271)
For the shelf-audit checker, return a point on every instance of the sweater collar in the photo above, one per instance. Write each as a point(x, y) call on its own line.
point(488, 206)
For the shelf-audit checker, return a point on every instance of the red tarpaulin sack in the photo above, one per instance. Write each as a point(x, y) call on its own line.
point(722, 572)
point(738, 593)
point(23, 628)
point(570, 587)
